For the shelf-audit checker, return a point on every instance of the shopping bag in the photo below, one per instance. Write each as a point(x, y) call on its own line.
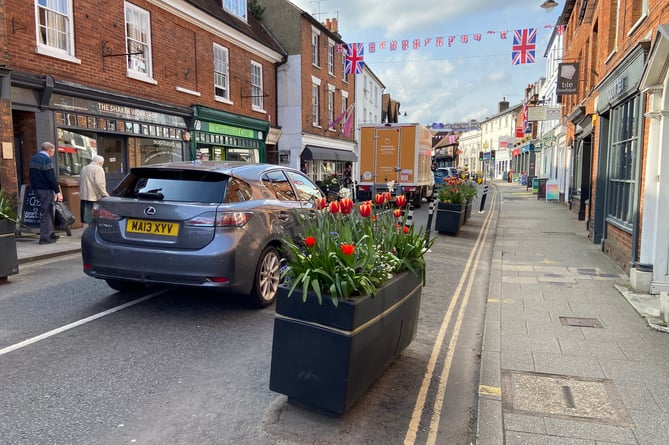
point(64, 216)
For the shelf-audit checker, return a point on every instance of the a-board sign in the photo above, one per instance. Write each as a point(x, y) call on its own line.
point(29, 212)
point(552, 190)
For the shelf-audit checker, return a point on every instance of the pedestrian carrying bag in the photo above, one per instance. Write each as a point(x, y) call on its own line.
point(64, 216)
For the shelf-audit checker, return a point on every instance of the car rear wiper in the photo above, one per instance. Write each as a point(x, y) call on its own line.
point(151, 194)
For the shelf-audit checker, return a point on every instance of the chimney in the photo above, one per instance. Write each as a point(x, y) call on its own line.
point(328, 25)
point(335, 26)
point(503, 105)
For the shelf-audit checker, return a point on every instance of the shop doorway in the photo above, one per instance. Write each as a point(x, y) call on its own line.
point(114, 150)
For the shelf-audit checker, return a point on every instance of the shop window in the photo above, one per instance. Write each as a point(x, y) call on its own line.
point(75, 151)
point(157, 151)
point(622, 162)
point(138, 40)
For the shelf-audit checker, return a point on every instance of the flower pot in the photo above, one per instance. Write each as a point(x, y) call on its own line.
point(450, 217)
point(9, 264)
point(327, 357)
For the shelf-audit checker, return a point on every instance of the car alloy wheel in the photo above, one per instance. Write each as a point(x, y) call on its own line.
point(267, 277)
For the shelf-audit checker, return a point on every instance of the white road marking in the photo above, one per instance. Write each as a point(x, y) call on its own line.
point(75, 324)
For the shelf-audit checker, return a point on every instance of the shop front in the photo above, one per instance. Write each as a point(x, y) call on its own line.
point(221, 136)
point(84, 122)
point(621, 108)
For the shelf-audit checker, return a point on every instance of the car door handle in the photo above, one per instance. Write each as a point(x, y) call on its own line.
point(283, 216)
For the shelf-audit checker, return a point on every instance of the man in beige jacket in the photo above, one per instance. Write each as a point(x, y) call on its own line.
point(92, 187)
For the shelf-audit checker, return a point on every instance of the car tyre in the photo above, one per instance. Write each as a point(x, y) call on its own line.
point(124, 286)
point(267, 278)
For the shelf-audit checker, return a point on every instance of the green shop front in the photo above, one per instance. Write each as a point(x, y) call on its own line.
point(219, 135)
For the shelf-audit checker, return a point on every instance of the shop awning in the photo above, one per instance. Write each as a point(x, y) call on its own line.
point(328, 154)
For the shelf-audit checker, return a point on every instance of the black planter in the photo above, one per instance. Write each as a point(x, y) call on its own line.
point(327, 357)
point(450, 217)
point(9, 263)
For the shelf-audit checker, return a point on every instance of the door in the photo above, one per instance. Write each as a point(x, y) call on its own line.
point(114, 150)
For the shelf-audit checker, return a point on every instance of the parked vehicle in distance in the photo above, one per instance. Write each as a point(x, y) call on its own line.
point(444, 172)
point(206, 224)
point(397, 153)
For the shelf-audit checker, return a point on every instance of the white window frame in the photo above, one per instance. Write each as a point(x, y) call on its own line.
point(54, 30)
point(315, 93)
point(331, 101)
point(236, 7)
point(139, 66)
point(331, 57)
point(221, 73)
point(257, 92)
point(315, 43)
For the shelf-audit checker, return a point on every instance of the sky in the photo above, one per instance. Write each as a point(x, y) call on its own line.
point(444, 84)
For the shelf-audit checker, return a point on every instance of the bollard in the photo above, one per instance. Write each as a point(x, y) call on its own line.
point(483, 196)
point(433, 204)
point(409, 220)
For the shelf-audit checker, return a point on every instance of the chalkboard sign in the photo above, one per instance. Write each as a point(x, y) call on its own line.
point(29, 212)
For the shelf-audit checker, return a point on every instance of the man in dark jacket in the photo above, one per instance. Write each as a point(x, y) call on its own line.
point(45, 186)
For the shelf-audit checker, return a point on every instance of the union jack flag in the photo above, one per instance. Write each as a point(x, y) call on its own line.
point(524, 45)
point(355, 54)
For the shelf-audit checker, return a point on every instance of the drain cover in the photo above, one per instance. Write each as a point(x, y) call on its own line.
point(580, 322)
point(563, 397)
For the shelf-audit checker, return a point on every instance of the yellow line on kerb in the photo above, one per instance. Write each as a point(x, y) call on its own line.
point(486, 390)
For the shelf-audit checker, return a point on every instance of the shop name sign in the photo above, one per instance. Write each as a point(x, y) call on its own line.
point(567, 81)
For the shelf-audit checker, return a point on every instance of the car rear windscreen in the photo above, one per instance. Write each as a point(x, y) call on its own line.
point(173, 185)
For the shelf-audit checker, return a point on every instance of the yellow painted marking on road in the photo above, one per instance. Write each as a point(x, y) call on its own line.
point(419, 407)
point(501, 300)
point(486, 390)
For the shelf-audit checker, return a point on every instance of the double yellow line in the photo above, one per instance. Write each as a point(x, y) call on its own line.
point(466, 282)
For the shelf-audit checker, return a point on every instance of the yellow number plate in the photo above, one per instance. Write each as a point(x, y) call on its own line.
point(152, 227)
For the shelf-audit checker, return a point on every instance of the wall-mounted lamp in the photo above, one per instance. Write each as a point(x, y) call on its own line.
point(548, 5)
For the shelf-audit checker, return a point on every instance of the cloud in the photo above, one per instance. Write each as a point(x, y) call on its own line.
point(453, 83)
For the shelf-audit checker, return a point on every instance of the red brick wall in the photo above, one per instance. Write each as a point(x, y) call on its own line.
point(618, 245)
point(176, 46)
point(321, 72)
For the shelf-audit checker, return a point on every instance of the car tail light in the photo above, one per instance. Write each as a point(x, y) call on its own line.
point(219, 219)
point(364, 188)
point(218, 279)
point(237, 219)
point(100, 212)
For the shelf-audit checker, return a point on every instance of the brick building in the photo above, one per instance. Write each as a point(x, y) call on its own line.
point(313, 90)
point(616, 129)
point(137, 82)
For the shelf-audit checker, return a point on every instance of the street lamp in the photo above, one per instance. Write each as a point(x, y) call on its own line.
point(548, 5)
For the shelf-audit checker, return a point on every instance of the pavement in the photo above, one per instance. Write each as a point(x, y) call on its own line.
point(570, 354)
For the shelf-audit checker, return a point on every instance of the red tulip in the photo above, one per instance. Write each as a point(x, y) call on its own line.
point(310, 241)
point(334, 207)
point(387, 196)
point(348, 249)
point(321, 203)
point(400, 201)
point(379, 199)
point(365, 210)
point(346, 205)
point(397, 213)
point(406, 229)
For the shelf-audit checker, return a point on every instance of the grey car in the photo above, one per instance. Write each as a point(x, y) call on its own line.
point(200, 224)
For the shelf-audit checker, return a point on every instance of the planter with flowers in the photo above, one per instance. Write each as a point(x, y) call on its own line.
point(350, 301)
point(9, 264)
point(451, 207)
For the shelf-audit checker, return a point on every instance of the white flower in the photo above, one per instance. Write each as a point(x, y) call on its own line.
point(391, 186)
